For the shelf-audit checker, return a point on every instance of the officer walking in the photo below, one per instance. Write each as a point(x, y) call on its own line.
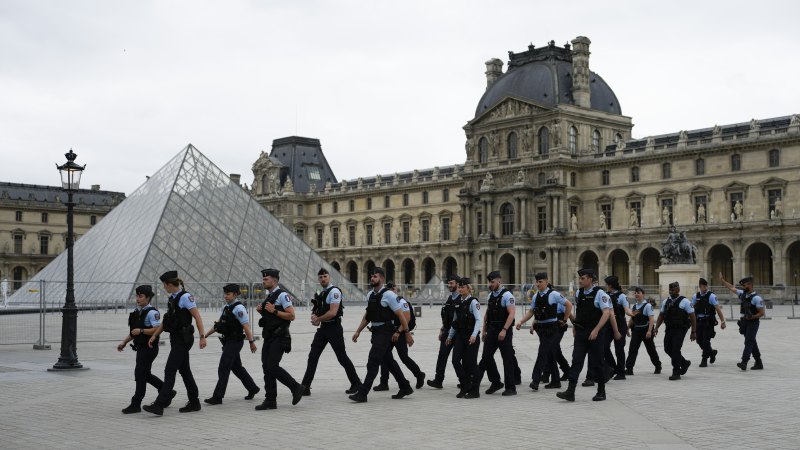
point(462, 335)
point(401, 346)
point(448, 312)
point(497, 334)
point(277, 314)
point(181, 309)
point(641, 326)
point(327, 315)
point(678, 314)
point(593, 310)
point(751, 312)
point(618, 327)
point(382, 308)
point(142, 323)
point(706, 306)
point(234, 326)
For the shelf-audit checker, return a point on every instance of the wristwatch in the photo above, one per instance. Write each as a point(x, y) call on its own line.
point(251, 341)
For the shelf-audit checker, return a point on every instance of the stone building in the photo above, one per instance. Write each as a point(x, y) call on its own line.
point(33, 225)
point(553, 180)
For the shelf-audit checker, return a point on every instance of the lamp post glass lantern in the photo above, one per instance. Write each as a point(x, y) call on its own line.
point(70, 182)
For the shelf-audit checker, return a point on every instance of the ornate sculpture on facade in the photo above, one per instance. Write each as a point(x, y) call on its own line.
point(573, 223)
point(527, 138)
point(717, 131)
point(778, 208)
point(288, 186)
point(520, 177)
point(795, 120)
point(494, 141)
point(556, 130)
point(633, 221)
point(650, 142)
point(754, 125)
point(738, 209)
point(488, 183)
point(683, 136)
point(665, 216)
point(602, 222)
point(469, 146)
point(677, 249)
point(701, 214)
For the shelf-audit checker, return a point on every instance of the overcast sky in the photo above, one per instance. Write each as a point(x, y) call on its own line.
point(386, 86)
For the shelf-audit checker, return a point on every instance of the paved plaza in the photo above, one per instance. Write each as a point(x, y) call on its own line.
point(714, 407)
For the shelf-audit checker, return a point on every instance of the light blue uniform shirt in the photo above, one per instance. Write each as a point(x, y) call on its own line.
point(646, 310)
point(475, 310)
point(685, 305)
point(152, 319)
point(389, 299)
point(622, 300)
point(756, 301)
point(186, 301)
point(712, 300)
point(404, 305)
point(554, 298)
point(240, 312)
point(284, 299)
point(508, 297)
point(601, 299)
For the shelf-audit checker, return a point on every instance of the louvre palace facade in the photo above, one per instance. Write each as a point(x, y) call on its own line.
point(553, 180)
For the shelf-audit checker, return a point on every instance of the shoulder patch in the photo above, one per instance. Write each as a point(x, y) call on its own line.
point(191, 298)
point(158, 315)
point(289, 298)
point(604, 299)
point(478, 306)
point(511, 301)
point(335, 295)
point(240, 314)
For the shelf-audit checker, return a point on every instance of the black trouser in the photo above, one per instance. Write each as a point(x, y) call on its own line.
point(402, 351)
point(617, 364)
point(546, 358)
point(639, 335)
point(231, 361)
point(594, 349)
point(465, 358)
point(178, 361)
point(705, 331)
point(558, 354)
point(750, 345)
point(380, 351)
point(333, 334)
point(490, 345)
point(144, 362)
point(673, 341)
point(271, 355)
point(441, 360)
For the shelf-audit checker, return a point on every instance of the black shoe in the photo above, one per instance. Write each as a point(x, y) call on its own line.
point(658, 370)
point(628, 371)
point(758, 365)
point(518, 381)
point(553, 385)
point(494, 388)
point(713, 356)
point(213, 401)
point(545, 378)
point(191, 406)
point(601, 393)
point(403, 392)
point(420, 380)
point(358, 398)
point(132, 408)
point(509, 392)
point(685, 368)
point(154, 408)
point(569, 394)
point(307, 391)
point(473, 394)
point(435, 384)
point(675, 376)
point(619, 376)
point(381, 387)
point(461, 393)
point(353, 389)
point(251, 394)
point(298, 393)
point(534, 385)
point(703, 363)
point(742, 365)
point(267, 404)
point(172, 395)
point(565, 376)
point(587, 383)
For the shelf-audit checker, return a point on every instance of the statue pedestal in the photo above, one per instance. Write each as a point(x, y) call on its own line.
point(687, 275)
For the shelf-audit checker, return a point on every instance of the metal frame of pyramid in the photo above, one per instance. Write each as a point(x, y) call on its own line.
point(190, 217)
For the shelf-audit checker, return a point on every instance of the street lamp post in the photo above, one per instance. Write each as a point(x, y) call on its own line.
point(794, 302)
point(70, 181)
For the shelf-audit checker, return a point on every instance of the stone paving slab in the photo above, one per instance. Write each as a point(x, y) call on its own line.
point(714, 407)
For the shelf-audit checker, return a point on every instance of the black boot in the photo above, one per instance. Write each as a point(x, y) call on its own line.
point(436, 384)
point(553, 385)
point(628, 371)
point(251, 394)
point(404, 390)
point(494, 388)
point(358, 398)
point(675, 376)
point(704, 362)
point(565, 374)
point(569, 394)
point(353, 388)
point(545, 378)
point(154, 408)
point(758, 365)
point(534, 385)
point(381, 387)
point(132, 408)
point(685, 367)
point(213, 400)
point(420, 380)
point(713, 356)
point(297, 393)
point(742, 365)
point(601, 393)
point(587, 383)
point(307, 392)
point(267, 404)
point(191, 406)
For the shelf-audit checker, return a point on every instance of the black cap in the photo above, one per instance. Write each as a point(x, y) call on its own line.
point(231, 288)
point(389, 285)
point(587, 272)
point(540, 276)
point(638, 289)
point(746, 280)
point(493, 274)
point(274, 273)
point(169, 276)
point(674, 284)
point(463, 281)
point(322, 271)
point(378, 270)
point(703, 282)
point(611, 280)
point(145, 290)
point(453, 277)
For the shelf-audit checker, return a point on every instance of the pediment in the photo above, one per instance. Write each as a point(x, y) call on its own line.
point(510, 107)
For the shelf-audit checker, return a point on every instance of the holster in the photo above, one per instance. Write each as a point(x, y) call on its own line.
point(187, 334)
point(741, 324)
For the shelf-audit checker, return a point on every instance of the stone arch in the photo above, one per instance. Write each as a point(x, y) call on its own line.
point(408, 271)
point(649, 260)
point(759, 263)
point(369, 266)
point(619, 262)
point(352, 272)
point(450, 267)
point(336, 266)
point(793, 265)
point(508, 268)
point(428, 269)
point(720, 260)
point(388, 266)
point(589, 260)
point(19, 276)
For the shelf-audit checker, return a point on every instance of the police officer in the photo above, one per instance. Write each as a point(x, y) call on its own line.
point(751, 311)
point(678, 314)
point(618, 327)
point(277, 313)
point(401, 346)
point(547, 325)
point(181, 309)
point(593, 310)
point(497, 334)
point(706, 306)
point(234, 326)
point(142, 323)
point(448, 312)
point(382, 308)
point(327, 315)
point(641, 329)
point(465, 325)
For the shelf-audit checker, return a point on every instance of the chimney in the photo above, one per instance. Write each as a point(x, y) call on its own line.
point(580, 72)
point(236, 178)
point(494, 68)
point(95, 187)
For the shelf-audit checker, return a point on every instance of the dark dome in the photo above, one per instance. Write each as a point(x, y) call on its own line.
point(546, 82)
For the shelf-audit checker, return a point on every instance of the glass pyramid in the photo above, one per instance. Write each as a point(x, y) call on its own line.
point(188, 217)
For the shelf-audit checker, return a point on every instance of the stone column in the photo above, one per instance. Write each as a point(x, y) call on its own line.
point(486, 221)
point(554, 263)
point(523, 265)
point(524, 213)
point(778, 271)
point(518, 215)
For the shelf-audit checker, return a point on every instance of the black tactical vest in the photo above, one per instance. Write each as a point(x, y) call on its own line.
point(464, 321)
point(640, 320)
point(542, 309)
point(496, 314)
point(747, 308)
point(229, 325)
point(271, 322)
point(587, 315)
point(674, 316)
point(136, 321)
point(619, 311)
point(448, 310)
point(176, 317)
point(376, 312)
point(321, 306)
point(703, 305)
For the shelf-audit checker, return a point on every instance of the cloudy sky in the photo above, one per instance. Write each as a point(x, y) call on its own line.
point(386, 86)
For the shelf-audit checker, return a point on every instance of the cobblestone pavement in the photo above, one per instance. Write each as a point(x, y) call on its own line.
point(715, 407)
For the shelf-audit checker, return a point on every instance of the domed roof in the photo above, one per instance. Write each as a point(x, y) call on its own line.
point(544, 76)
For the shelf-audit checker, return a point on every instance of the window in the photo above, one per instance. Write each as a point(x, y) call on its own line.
point(368, 229)
point(386, 201)
point(479, 222)
point(45, 217)
point(445, 228)
point(17, 243)
point(300, 233)
point(667, 204)
point(596, 141)
point(278, 208)
point(425, 224)
point(736, 197)
point(319, 209)
point(299, 210)
point(700, 166)
point(700, 200)
point(605, 178)
point(773, 195)
point(319, 237)
point(424, 197)
point(736, 163)
point(406, 231)
point(573, 179)
point(774, 157)
point(19, 272)
point(666, 171)
point(606, 210)
point(351, 205)
point(369, 203)
point(351, 235)
point(637, 208)
point(387, 232)
point(512, 145)
point(541, 178)
point(634, 174)
point(18, 216)
point(541, 218)
point(335, 233)
point(544, 141)
point(335, 207)
point(405, 199)
point(483, 150)
point(313, 173)
point(44, 243)
point(573, 141)
point(445, 195)
point(507, 218)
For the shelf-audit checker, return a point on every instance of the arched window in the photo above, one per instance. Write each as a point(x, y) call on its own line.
point(700, 166)
point(512, 145)
point(573, 178)
point(264, 184)
point(483, 150)
point(596, 141)
point(544, 141)
point(573, 141)
point(666, 171)
point(774, 157)
point(541, 179)
point(634, 174)
point(617, 138)
point(606, 178)
point(507, 217)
